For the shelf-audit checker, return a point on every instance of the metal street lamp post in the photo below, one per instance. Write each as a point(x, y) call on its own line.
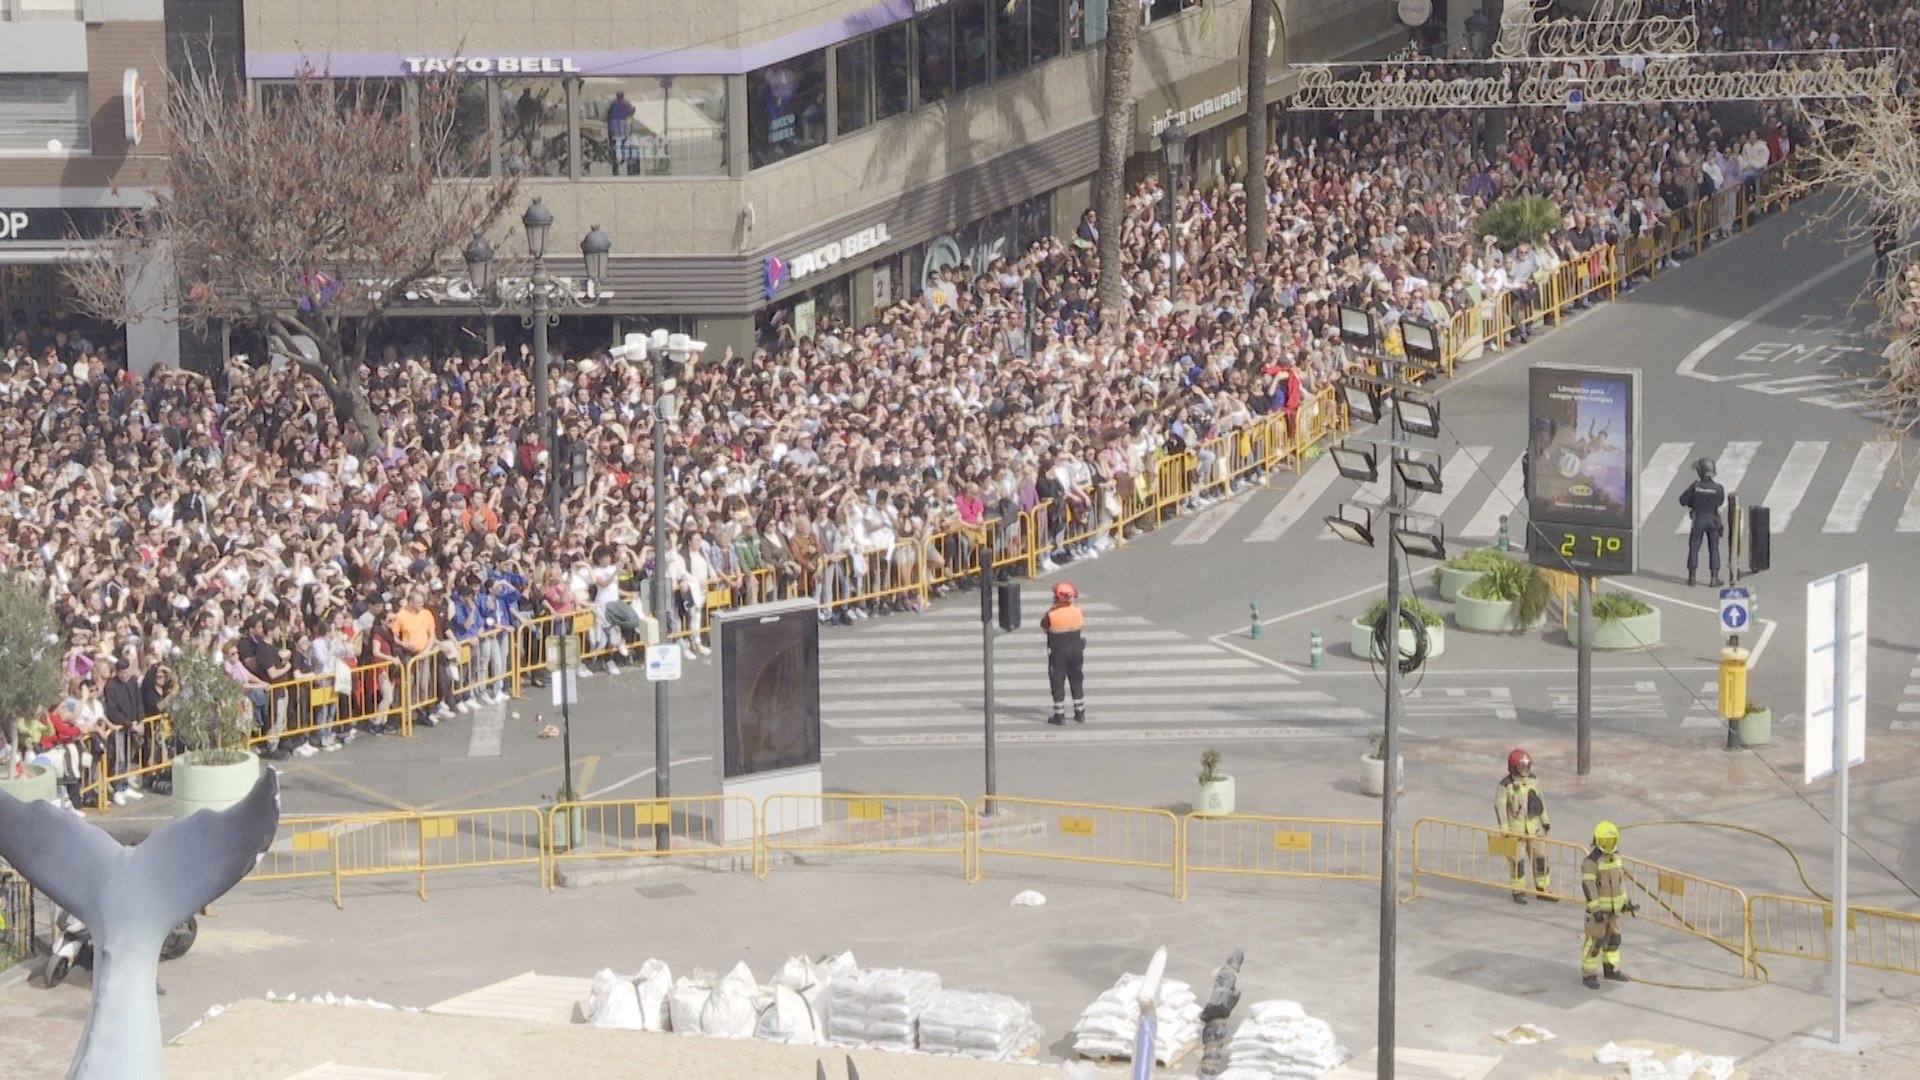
point(1173, 161)
point(542, 290)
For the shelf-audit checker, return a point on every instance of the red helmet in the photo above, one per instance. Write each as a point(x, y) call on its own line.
point(1519, 761)
point(1065, 593)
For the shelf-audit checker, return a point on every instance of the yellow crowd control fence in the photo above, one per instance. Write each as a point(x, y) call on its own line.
point(933, 825)
point(1252, 845)
point(1878, 938)
point(703, 827)
point(1131, 836)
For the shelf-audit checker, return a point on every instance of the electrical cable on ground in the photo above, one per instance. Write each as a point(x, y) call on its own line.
point(1852, 842)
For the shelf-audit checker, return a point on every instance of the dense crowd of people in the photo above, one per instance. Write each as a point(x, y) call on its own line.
point(233, 516)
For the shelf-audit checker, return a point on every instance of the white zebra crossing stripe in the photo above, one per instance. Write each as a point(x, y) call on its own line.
point(901, 703)
point(866, 660)
point(1459, 471)
point(1729, 468)
point(1297, 502)
point(1504, 500)
point(1209, 522)
point(1910, 515)
point(1658, 473)
point(865, 671)
point(1850, 506)
point(1791, 483)
point(1030, 674)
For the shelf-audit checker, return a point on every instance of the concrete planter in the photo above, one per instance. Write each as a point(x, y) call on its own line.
point(1362, 641)
point(568, 828)
point(1373, 775)
point(1755, 728)
point(37, 785)
point(1451, 581)
point(1490, 616)
point(1634, 632)
point(201, 784)
point(1215, 798)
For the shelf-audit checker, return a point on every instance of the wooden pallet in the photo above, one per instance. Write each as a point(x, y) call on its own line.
point(1127, 1059)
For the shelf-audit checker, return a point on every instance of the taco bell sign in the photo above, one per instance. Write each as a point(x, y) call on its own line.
point(826, 256)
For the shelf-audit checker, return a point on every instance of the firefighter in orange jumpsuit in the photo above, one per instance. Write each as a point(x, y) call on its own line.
point(1066, 653)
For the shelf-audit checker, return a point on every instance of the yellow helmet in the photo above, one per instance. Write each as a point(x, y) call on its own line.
point(1606, 836)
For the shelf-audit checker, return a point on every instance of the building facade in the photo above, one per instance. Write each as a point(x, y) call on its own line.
point(79, 81)
point(779, 160)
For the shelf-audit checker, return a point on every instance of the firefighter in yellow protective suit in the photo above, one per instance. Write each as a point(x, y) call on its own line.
point(1605, 884)
point(1522, 814)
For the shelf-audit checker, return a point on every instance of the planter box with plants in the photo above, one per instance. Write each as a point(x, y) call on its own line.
point(1212, 789)
point(1465, 568)
point(1362, 642)
point(1756, 727)
point(1373, 768)
point(1621, 620)
point(1509, 597)
point(212, 721)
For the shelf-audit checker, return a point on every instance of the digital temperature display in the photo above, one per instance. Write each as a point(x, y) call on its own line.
point(1584, 548)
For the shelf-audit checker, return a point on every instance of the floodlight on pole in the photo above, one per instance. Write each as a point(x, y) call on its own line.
point(1363, 397)
point(1419, 413)
point(1421, 340)
point(1418, 471)
point(1356, 325)
point(1349, 528)
point(1356, 461)
point(1421, 542)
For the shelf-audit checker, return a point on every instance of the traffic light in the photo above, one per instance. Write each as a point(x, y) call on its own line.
point(1009, 604)
point(1759, 539)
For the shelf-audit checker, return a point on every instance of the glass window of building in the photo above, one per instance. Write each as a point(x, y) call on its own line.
point(648, 126)
point(787, 108)
point(936, 56)
point(973, 48)
point(893, 71)
point(464, 146)
point(533, 126)
point(37, 109)
point(853, 84)
point(1167, 9)
point(1010, 39)
point(1086, 23)
point(1045, 28)
point(384, 96)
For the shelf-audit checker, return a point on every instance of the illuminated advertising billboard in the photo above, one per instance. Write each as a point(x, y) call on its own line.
point(1583, 467)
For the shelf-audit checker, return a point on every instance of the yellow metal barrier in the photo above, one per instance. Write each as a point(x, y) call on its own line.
point(866, 824)
point(479, 839)
point(1077, 832)
point(308, 847)
point(626, 829)
point(1257, 846)
point(1478, 855)
point(1878, 938)
point(347, 846)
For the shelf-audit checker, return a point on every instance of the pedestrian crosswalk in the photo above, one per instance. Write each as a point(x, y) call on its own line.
point(925, 674)
point(1832, 488)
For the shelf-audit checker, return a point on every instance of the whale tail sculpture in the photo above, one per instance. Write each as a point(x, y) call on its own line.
point(130, 897)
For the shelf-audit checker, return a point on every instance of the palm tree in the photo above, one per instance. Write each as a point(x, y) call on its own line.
point(1116, 139)
point(1259, 41)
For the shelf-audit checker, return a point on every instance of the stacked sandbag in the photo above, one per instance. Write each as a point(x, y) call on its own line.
point(631, 1003)
point(990, 1027)
point(1279, 1039)
point(732, 1009)
point(879, 1008)
point(797, 1000)
point(1108, 1026)
point(689, 997)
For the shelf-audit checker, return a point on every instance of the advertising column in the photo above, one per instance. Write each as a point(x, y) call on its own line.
point(1582, 469)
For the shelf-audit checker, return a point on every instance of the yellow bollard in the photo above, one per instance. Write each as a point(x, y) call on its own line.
point(1733, 691)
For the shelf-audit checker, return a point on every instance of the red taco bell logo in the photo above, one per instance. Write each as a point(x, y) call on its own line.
point(776, 274)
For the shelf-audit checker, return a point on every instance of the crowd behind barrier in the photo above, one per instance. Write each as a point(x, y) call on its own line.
point(996, 415)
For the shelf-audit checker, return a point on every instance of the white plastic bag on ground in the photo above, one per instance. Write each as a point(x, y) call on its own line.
point(732, 1009)
point(1029, 898)
point(689, 997)
point(787, 1019)
point(653, 986)
point(612, 1003)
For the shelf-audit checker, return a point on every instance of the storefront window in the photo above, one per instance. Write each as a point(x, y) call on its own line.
point(787, 110)
point(533, 126)
point(853, 89)
point(645, 126)
point(1010, 52)
point(1046, 29)
point(467, 147)
point(936, 56)
point(893, 70)
point(972, 46)
point(1086, 23)
point(387, 97)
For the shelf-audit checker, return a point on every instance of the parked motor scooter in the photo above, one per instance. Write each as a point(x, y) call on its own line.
point(73, 945)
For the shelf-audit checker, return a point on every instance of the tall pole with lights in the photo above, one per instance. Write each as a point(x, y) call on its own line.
point(1173, 161)
point(1409, 468)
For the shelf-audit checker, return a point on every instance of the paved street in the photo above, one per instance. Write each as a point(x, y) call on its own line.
point(1768, 386)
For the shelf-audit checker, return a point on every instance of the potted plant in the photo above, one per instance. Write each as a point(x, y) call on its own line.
point(1362, 641)
point(1212, 789)
point(1463, 569)
point(1517, 219)
point(1510, 596)
point(1621, 620)
point(1373, 767)
point(570, 826)
point(1756, 727)
point(29, 684)
point(212, 721)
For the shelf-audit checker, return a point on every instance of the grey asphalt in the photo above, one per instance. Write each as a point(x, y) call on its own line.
point(1470, 963)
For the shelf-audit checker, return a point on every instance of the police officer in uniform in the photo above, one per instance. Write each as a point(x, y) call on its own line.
point(1605, 884)
point(1522, 814)
point(1703, 499)
point(1066, 653)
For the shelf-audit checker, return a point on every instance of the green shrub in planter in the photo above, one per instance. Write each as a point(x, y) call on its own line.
point(30, 679)
point(1614, 606)
point(1518, 218)
point(1621, 621)
point(211, 716)
point(1518, 586)
point(1408, 606)
point(1479, 560)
